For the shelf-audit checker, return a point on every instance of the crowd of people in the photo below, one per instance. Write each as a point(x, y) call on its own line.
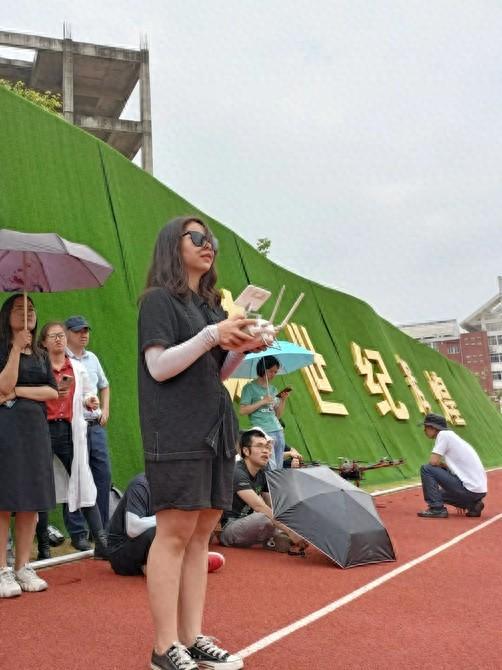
point(54, 406)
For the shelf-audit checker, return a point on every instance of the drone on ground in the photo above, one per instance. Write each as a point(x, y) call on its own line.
point(353, 470)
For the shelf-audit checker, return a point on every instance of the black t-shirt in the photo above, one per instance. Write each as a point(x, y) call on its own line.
point(33, 370)
point(244, 481)
point(136, 500)
point(181, 416)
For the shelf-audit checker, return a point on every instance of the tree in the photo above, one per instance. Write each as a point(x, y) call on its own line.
point(50, 101)
point(263, 245)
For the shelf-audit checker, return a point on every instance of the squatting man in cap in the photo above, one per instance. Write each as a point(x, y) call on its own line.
point(250, 521)
point(454, 474)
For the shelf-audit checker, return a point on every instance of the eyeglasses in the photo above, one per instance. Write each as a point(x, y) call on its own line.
point(20, 309)
point(56, 336)
point(201, 239)
point(264, 447)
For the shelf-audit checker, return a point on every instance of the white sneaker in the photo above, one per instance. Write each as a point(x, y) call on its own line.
point(8, 585)
point(28, 579)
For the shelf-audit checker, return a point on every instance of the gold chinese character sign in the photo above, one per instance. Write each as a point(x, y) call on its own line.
point(370, 365)
point(446, 402)
point(422, 403)
point(314, 375)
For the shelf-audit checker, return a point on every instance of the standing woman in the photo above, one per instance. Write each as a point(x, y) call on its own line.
point(26, 477)
point(264, 405)
point(68, 430)
point(189, 435)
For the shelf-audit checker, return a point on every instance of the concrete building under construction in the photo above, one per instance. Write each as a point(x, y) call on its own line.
point(95, 82)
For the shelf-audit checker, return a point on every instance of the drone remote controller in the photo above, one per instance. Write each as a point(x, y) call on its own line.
point(265, 330)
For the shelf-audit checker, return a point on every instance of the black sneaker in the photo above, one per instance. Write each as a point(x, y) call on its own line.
point(175, 658)
point(434, 513)
point(278, 542)
point(81, 543)
point(476, 509)
point(210, 657)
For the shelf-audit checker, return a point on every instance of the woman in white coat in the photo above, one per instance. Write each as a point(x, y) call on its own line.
point(68, 429)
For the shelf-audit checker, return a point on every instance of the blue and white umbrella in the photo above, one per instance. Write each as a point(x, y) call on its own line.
point(291, 357)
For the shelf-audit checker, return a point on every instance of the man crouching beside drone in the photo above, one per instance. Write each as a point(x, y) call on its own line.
point(460, 481)
point(250, 521)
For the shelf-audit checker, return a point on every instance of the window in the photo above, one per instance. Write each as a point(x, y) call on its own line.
point(454, 349)
point(495, 358)
point(497, 376)
point(499, 339)
point(492, 340)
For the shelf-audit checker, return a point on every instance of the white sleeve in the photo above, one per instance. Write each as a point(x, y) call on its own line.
point(163, 363)
point(87, 388)
point(136, 525)
point(441, 444)
point(232, 362)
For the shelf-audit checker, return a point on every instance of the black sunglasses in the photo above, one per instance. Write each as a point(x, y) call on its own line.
point(201, 239)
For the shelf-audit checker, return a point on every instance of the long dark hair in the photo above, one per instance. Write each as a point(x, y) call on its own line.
point(168, 270)
point(5, 329)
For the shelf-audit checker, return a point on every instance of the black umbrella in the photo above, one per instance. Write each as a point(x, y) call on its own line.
point(331, 513)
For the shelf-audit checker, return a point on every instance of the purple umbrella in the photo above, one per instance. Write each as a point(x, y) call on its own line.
point(46, 262)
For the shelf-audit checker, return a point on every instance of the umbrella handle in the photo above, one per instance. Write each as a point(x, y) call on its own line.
point(25, 304)
point(25, 295)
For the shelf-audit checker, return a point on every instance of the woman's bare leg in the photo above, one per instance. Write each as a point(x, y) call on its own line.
point(165, 558)
point(4, 533)
point(25, 532)
point(193, 582)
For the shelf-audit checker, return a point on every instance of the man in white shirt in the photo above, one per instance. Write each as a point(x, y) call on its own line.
point(454, 474)
point(77, 334)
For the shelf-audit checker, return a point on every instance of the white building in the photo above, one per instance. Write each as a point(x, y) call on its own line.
point(432, 332)
point(489, 318)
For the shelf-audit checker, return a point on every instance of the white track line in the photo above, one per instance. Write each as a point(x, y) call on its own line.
point(336, 604)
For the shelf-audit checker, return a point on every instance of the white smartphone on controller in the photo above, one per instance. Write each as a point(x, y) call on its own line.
point(252, 298)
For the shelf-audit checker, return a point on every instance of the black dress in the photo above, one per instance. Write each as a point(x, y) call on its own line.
point(26, 474)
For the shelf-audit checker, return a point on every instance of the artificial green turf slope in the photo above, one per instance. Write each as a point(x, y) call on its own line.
point(55, 177)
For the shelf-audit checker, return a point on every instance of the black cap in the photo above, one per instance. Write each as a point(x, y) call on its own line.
point(76, 323)
point(435, 420)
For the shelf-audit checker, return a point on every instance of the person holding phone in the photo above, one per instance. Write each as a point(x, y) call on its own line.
point(264, 405)
point(186, 347)
point(68, 429)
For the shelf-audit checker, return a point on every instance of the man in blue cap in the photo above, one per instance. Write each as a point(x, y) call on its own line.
point(454, 474)
point(77, 333)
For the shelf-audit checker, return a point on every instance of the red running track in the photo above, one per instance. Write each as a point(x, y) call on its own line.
point(444, 613)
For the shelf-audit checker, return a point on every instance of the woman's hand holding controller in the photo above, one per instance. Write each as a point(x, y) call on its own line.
point(233, 336)
point(263, 331)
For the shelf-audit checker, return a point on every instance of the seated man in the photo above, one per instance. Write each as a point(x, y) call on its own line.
point(461, 482)
point(250, 521)
point(132, 528)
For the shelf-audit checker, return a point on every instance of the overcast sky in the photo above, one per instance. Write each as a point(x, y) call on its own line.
point(364, 138)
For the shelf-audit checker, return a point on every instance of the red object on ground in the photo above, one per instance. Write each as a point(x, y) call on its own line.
point(215, 561)
point(443, 613)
